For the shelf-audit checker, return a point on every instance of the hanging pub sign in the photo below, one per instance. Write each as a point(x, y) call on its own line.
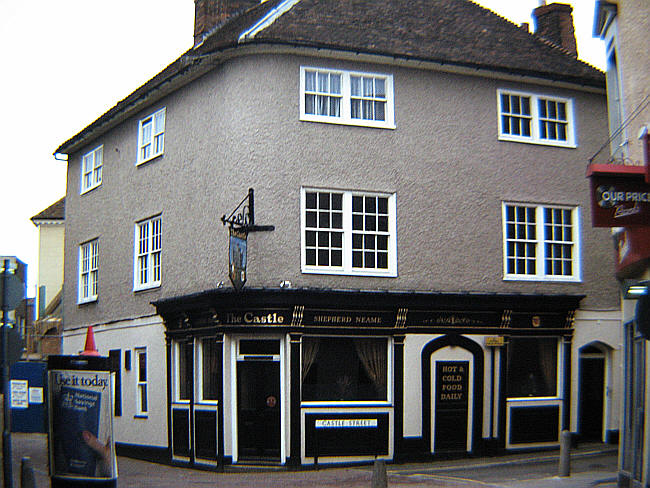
point(620, 197)
point(237, 257)
point(241, 221)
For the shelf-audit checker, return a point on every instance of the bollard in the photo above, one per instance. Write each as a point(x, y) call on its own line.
point(379, 479)
point(565, 454)
point(27, 473)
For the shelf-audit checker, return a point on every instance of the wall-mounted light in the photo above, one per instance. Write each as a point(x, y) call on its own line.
point(633, 289)
point(285, 284)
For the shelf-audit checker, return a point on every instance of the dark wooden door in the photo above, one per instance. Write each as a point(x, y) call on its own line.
point(592, 387)
point(258, 409)
point(451, 406)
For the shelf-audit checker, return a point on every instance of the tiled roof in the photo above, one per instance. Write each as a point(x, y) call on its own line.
point(457, 32)
point(450, 32)
point(56, 211)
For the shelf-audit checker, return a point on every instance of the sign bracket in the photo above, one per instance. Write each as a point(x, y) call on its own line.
point(243, 217)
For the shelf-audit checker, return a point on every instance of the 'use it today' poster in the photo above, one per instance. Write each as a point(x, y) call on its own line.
point(81, 425)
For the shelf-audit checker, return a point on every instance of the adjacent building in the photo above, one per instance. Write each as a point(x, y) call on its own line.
point(46, 338)
point(335, 231)
point(621, 201)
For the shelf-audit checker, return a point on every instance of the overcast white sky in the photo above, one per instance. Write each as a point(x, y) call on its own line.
point(66, 62)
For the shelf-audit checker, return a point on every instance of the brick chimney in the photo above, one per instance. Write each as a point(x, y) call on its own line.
point(209, 14)
point(554, 22)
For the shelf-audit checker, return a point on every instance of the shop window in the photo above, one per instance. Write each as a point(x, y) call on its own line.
point(209, 369)
point(185, 370)
point(344, 369)
point(532, 367)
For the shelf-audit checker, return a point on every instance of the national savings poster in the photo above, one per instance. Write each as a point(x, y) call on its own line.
point(81, 426)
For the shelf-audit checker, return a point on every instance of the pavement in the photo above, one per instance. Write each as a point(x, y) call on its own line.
point(593, 465)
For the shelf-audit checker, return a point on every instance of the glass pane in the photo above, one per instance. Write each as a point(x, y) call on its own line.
point(310, 238)
point(532, 367)
point(357, 204)
point(310, 200)
point(357, 259)
point(525, 106)
point(323, 257)
point(335, 84)
point(324, 201)
point(337, 201)
point(337, 258)
point(355, 109)
point(310, 219)
point(310, 257)
point(323, 239)
point(368, 88)
point(379, 111)
point(371, 222)
point(505, 103)
point(323, 220)
point(337, 220)
point(142, 366)
point(310, 81)
point(380, 88)
point(336, 239)
point(310, 104)
point(323, 82)
point(370, 204)
point(344, 369)
point(210, 369)
point(357, 222)
point(355, 86)
point(382, 260)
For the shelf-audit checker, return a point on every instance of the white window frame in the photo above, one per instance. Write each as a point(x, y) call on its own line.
point(155, 142)
point(91, 169)
point(345, 113)
point(536, 119)
point(347, 268)
point(539, 241)
point(147, 248)
point(141, 385)
point(88, 271)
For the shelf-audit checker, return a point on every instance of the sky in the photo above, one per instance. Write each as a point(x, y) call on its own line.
point(66, 62)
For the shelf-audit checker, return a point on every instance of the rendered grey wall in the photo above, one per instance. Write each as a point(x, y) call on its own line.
point(239, 127)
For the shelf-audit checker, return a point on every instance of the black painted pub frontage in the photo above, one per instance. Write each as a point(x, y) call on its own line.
point(297, 377)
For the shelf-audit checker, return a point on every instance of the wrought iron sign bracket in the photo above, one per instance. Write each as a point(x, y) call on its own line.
point(243, 217)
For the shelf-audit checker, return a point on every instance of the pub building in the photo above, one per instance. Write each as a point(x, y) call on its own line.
point(305, 376)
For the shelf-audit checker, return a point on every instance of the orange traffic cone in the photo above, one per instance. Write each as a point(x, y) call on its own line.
point(89, 348)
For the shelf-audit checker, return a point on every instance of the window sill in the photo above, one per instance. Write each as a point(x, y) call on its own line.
point(144, 161)
point(543, 279)
point(86, 301)
point(346, 404)
point(349, 122)
point(344, 272)
point(89, 189)
point(153, 286)
point(537, 142)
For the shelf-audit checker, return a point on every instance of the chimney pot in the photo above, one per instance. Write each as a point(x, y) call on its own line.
point(554, 22)
point(209, 14)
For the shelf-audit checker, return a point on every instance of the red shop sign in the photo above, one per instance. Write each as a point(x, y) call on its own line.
point(620, 197)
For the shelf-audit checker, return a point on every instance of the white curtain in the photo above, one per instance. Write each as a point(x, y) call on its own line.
point(310, 346)
point(373, 356)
